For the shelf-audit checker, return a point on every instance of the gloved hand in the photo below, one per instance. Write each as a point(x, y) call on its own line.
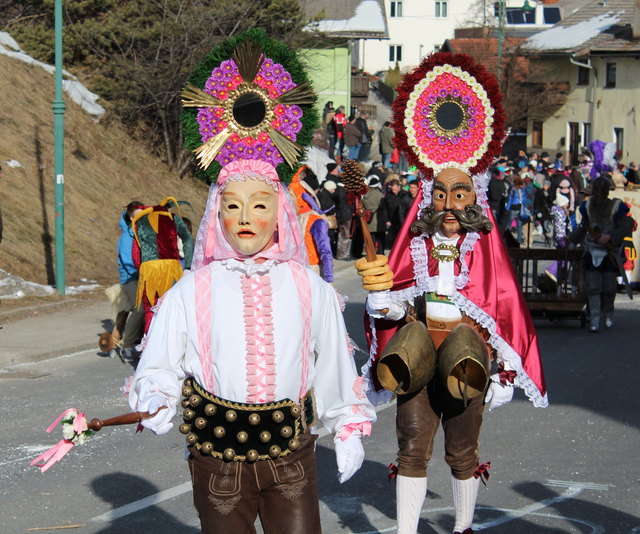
point(161, 422)
point(376, 275)
point(498, 393)
point(349, 456)
point(379, 300)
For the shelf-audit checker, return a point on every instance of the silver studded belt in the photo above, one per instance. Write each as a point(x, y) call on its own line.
point(237, 431)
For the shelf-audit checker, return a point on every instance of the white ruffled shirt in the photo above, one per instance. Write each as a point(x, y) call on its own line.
point(172, 350)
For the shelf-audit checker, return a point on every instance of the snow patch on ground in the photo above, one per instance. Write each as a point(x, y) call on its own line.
point(76, 91)
point(14, 287)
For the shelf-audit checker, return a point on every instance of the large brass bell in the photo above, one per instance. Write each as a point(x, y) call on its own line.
point(277, 416)
point(187, 391)
point(184, 428)
point(219, 432)
point(286, 432)
point(463, 363)
point(231, 416)
point(229, 454)
point(192, 438)
point(207, 447)
point(274, 451)
point(242, 436)
point(252, 455)
point(188, 414)
point(408, 362)
point(195, 400)
point(210, 409)
point(200, 423)
point(265, 436)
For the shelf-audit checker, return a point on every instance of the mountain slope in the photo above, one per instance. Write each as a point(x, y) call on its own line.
point(104, 170)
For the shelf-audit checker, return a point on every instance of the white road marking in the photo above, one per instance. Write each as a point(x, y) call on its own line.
point(595, 529)
point(47, 360)
point(144, 503)
point(573, 489)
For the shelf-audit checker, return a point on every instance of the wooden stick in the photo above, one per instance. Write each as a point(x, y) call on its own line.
point(125, 419)
point(369, 247)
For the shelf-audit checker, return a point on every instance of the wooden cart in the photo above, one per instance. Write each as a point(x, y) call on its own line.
point(565, 298)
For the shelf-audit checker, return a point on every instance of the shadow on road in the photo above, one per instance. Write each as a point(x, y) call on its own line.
point(120, 489)
point(588, 370)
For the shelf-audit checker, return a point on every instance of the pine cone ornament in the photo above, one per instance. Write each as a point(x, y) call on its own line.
point(353, 177)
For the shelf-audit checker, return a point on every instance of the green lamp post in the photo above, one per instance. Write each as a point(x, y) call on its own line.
point(526, 8)
point(58, 135)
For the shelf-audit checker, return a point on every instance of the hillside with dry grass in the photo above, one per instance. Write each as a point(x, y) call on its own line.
point(104, 170)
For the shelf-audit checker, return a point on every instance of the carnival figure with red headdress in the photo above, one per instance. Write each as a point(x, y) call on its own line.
point(445, 308)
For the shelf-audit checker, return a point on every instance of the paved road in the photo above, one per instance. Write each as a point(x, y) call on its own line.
point(571, 468)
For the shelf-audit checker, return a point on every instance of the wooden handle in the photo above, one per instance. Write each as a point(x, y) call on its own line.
point(125, 419)
point(369, 247)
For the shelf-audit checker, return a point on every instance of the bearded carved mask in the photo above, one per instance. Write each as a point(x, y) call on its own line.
point(454, 207)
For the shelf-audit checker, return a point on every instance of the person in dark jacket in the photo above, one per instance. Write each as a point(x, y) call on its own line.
point(352, 137)
point(497, 195)
point(386, 144)
point(344, 215)
point(393, 210)
point(366, 138)
point(129, 284)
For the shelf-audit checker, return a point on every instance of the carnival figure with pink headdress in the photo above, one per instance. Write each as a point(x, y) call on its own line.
point(252, 340)
point(448, 327)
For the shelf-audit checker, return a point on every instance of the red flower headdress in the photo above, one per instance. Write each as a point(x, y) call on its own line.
point(448, 113)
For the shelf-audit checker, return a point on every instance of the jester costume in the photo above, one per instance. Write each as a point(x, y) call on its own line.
point(156, 255)
point(314, 226)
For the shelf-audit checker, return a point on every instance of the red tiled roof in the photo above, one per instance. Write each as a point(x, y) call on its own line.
point(485, 51)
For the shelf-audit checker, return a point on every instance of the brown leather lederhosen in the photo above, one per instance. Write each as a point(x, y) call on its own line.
point(419, 416)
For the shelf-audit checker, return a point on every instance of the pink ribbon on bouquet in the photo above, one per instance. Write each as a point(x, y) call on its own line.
point(60, 449)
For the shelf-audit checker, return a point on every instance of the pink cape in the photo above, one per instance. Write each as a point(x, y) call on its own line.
point(492, 297)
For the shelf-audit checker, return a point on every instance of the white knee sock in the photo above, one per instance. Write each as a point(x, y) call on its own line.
point(464, 501)
point(410, 494)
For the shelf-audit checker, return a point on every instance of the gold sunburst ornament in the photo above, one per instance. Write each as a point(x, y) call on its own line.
point(248, 109)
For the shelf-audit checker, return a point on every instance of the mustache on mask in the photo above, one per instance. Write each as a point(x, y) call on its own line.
point(471, 219)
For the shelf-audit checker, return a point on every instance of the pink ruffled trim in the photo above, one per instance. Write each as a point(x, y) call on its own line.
point(240, 168)
point(203, 320)
point(301, 279)
point(364, 428)
point(360, 387)
point(260, 349)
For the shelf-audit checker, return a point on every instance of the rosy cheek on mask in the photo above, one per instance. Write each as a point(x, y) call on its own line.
point(262, 223)
point(228, 222)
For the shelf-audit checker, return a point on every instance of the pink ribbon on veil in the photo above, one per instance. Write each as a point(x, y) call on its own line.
point(60, 449)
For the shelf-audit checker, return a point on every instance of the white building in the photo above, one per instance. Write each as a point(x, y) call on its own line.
point(416, 28)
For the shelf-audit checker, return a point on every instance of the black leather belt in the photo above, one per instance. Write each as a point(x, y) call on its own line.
point(237, 431)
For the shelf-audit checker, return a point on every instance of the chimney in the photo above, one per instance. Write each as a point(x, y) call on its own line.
point(635, 25)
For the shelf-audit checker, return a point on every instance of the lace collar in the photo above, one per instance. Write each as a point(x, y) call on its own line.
point(249, 267)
